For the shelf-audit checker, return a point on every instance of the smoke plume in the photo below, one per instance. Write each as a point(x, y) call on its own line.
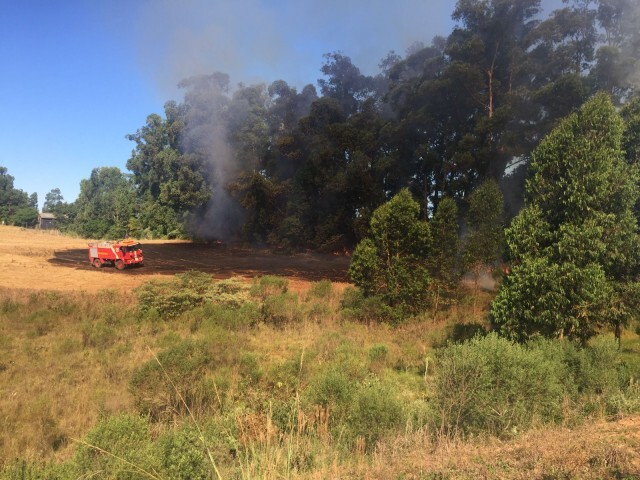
point(207, 136)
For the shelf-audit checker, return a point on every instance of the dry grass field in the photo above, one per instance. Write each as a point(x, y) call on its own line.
point(58, 380)
point(27, 262)
point(44, 260)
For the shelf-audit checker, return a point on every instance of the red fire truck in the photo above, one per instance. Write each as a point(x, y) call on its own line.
point(119, 254)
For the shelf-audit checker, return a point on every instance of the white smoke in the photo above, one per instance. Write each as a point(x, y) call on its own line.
point(266, 40)
point(207, 136)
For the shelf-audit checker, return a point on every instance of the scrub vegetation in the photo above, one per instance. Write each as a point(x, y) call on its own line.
point(491, 329)
point(249, 380)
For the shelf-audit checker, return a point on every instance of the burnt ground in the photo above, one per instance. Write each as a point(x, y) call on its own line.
point(221, 262)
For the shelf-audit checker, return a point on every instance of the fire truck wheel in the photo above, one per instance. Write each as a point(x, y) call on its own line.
point(119, 264)
point(97, 263)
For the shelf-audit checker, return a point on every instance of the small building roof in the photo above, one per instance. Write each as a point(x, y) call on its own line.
point(47, 215)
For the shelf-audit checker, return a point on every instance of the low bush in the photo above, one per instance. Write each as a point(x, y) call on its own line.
point(333, 390)
point(22, 470)
point(322, 289)
point(491, 385)
point(186, 291)
point(118, 447)
point(213, 315)
point(461, 332)
point(357, 307)
point(163, 388)
point(318, 312)
point(98, 335)
point(268, 285)
point(281, 309)
point(378, 352)
point(183, 455)
point(167, 298)
point(375, 412)
point(596, 369)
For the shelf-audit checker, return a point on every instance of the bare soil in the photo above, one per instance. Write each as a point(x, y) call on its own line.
point(34, 259)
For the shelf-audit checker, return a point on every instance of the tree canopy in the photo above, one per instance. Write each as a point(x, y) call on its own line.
point(16, 206)
point(306, 167)
point(393, 262)
point(575, 244)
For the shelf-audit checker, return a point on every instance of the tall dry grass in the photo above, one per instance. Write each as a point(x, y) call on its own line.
point(67, 360)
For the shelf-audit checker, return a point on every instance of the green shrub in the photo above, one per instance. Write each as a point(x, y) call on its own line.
point(166, 298)
point(231, 293)
point(355, 306)
point(624, 402)
point(22, 470)
point(183, 456)
point(118, 447)
point(60, 303)
point(114, 314)
point(249, 367)
point(375, 412)
point(318, 312)
point(9, 305)
point(494, 386)
point(597, 368)
point(41, 321)
point(322, 289)
point(378, 353)
point(171, 298)
point(331, 388)
point(229, 317)
point(163, 389)
point(98, 335)
point(281, 309)
point(195, 281)
point(461, 332)
point(268, 285)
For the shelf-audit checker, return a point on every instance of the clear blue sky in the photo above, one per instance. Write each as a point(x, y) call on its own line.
point(78, 75)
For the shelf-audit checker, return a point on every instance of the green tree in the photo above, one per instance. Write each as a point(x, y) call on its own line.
point(618, 57)
point(25, 216)
point(484, 243)
point(444, 259)
point(170, 181)
point(16, 206)
point(105, 204)
point(631, 138)
point(52, 200)
point(575, 244)
point(392, 262)
point(65, 212)
point(345, 83)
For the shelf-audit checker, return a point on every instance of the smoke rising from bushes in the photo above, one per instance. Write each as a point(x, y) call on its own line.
point(207, 136)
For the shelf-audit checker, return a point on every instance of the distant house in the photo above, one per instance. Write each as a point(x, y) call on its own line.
point(46, 221)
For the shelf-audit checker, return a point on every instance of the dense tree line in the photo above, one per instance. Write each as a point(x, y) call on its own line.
point(274, 165)
point(16, 206)
point(514, 120)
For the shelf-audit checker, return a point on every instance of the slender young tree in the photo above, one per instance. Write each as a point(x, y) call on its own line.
point(443, 261)
point(575, 244)
point(484, 243)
